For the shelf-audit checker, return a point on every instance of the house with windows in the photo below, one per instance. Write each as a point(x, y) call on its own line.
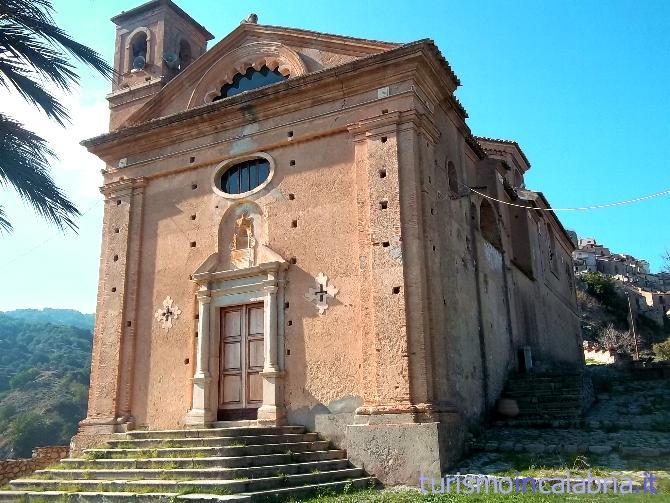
point(301, 229)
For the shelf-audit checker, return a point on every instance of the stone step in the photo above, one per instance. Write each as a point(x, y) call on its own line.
point(143, 443)
point(193, 473)
point(185, 486)
point(520, 394)
point(287, 493)
point(541, 423)
point(196, 452)
point(206, 462)
point(212, 432)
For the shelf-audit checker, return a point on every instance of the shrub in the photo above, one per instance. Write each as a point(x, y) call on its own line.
point(662, 350)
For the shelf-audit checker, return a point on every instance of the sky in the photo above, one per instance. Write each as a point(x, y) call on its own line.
point(583, 86)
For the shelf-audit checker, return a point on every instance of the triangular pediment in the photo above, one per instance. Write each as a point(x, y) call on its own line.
point(292, 52)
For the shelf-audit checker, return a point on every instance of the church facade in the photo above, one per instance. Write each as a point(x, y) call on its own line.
point(300, 228)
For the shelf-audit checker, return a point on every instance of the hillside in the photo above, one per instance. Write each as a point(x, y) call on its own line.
point(54, 317)
point(605, 317)
point(44, 373)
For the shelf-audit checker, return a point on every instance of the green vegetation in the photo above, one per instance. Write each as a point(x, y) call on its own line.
point(370, 496)
point(662, 350)
point(44, 374)
point(604, 312)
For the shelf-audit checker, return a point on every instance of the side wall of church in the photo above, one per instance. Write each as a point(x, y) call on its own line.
point(483, 305)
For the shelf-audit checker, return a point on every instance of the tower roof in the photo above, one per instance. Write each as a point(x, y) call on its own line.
point(140, 9)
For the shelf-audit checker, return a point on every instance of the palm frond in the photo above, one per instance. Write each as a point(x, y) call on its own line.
point(32, 91)
point(5, 226)
point(35, 52)
point(25, 166)
point(36, 17)
point(19, 46)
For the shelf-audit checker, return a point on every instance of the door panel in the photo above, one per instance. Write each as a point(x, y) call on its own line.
point(255, 388)
point(232, 356)
point(242, 357)
point(256, 354)
point(232, 387)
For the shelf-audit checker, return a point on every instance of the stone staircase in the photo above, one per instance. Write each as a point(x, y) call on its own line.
point(558, 397)
point(215, 464)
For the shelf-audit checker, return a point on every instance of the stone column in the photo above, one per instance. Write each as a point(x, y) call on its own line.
point(201, 413)
point(271, 412)
point(270, 363)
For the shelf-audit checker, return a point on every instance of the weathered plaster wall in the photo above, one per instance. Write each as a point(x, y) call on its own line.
point(315, 186)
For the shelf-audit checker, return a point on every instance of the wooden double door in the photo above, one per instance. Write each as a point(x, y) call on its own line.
point(241, 361)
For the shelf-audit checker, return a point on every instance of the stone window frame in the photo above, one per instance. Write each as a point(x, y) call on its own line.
point(227, 164)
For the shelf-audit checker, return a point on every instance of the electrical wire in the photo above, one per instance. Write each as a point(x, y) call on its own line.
point(39, 245)
point(581, 208)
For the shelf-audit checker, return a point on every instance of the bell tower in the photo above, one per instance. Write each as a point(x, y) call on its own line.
point(154, 42)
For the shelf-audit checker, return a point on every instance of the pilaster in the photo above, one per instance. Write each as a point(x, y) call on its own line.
point(200, 412)
point(392, 320)
point(113, 338)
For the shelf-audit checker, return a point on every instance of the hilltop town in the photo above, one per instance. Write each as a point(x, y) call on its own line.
point(649, 292)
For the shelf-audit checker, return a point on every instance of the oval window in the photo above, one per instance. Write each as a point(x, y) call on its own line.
point(245, 176)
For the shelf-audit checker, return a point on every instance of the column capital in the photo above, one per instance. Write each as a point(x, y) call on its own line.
point(204, 297)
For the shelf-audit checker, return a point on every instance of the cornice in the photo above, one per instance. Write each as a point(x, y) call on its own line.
point(122, 186)
point(378, 125)
point(234, 103)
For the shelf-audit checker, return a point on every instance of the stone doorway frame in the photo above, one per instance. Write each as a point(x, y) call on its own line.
point(218, 289)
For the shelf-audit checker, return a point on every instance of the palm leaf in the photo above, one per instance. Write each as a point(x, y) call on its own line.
point(35, 16)
point(25, 165)
point(32, 91)
point(22, 48)
point(34, 52)
point(4, 223)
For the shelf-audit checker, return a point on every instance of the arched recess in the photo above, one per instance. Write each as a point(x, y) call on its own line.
point(242, 238)
point(133, 38)
point(255, 55)
point(454, 182)
point(553, 258)
point(185, 54)
point(488, 224)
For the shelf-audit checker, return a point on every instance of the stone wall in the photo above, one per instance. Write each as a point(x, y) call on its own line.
point(598, 354)
point(42, 457)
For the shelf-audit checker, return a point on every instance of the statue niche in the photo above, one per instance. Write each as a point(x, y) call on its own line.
point(243, 243)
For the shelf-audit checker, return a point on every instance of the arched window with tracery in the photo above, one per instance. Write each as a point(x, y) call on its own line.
point(251, 79)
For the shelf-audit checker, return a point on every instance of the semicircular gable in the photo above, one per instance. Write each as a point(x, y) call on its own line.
point(254, 55)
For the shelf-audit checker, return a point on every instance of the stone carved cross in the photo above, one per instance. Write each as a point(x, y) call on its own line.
point(320, 295)
point(167, 314)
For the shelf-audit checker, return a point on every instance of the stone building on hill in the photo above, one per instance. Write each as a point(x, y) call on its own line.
point(289, 237)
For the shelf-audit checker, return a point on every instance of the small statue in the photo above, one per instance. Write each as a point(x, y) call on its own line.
point(251, 19)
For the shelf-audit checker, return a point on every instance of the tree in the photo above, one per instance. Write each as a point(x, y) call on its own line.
point(666, 261)
point(662, 350)
point(36, 55)
point(619, 340)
